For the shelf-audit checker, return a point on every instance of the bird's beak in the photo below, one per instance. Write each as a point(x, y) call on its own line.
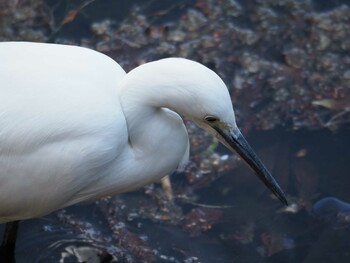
point(234, 140)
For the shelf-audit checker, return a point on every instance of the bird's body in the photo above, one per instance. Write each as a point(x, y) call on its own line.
point(74, 127)
point(64, 138)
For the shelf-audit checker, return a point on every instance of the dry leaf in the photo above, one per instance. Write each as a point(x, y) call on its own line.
point(333, 104)
point(70, 16)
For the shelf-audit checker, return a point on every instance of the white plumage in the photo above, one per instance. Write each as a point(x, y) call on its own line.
point(74, 126)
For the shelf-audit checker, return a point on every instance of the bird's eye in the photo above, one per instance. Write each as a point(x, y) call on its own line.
point(211, 119)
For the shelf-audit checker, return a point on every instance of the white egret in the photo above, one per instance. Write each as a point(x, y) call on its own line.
point(74, 127)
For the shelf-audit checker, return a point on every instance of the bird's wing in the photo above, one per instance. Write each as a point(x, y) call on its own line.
point(60, 121)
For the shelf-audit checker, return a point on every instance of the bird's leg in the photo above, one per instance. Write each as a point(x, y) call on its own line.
point(167, 188)
point(8, 245)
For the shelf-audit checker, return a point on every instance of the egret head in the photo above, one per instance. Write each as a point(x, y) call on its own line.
point(199, 94)
point(211, 109)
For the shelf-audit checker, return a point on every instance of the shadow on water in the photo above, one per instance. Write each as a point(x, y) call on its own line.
point(255, 228)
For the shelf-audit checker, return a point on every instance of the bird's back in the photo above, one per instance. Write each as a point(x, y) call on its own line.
point(60, 122)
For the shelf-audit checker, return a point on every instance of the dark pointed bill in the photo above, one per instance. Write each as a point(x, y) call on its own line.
point(237, 142)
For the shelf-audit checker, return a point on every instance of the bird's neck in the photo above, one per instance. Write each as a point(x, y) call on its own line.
point(158, 140)
point(157, 143)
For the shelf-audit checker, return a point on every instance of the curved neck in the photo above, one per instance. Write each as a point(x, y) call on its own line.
point(157, 143)
point(158, 139)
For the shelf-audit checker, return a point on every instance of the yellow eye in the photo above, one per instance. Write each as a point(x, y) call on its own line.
point(211, 119)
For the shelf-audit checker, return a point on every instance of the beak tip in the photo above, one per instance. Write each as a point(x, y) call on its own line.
point(275, 188)
point(283, 199)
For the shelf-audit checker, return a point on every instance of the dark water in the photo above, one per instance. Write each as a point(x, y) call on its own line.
point(253, 229)
point(116, 11)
